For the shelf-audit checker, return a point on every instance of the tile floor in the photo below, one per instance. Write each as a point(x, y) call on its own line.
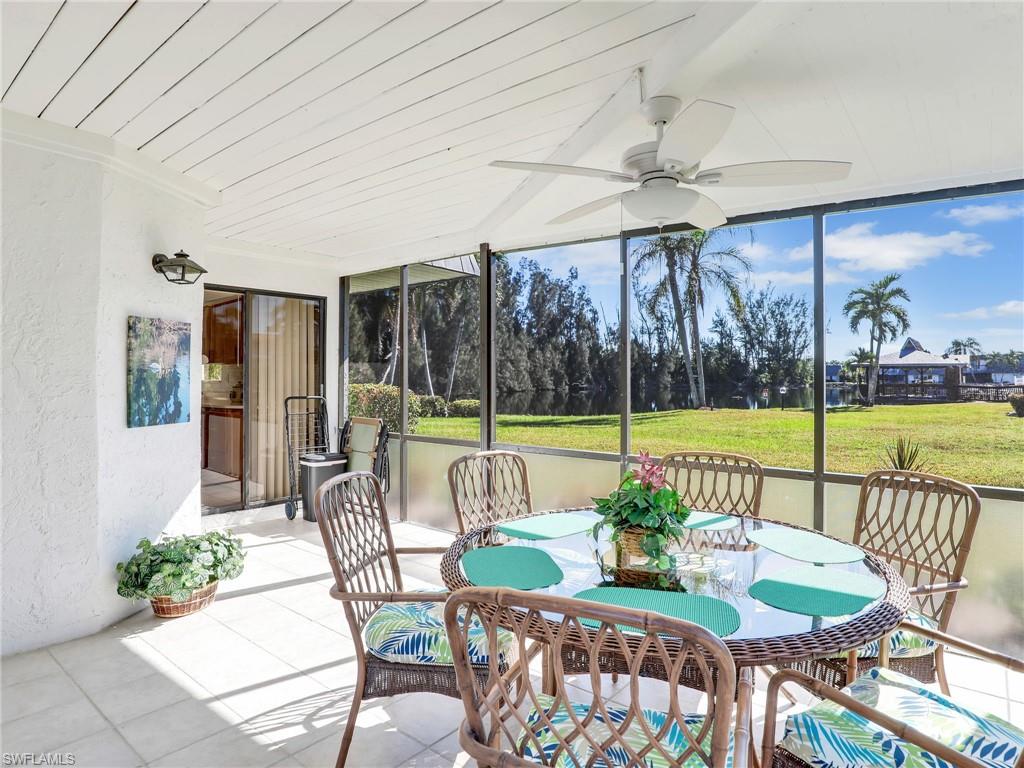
point(264, 676)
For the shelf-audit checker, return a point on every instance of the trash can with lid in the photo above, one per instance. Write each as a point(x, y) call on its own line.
point(318, 468)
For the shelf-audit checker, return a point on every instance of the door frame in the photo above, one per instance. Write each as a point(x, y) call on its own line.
point(247, 294)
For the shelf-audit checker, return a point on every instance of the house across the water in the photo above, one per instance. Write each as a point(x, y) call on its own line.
point(914, 364)
point(914, 373)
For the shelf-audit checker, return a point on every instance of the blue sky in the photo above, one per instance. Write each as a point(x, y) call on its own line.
point(962, 263)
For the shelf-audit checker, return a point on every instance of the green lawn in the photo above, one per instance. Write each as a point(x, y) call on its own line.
point(975, 442)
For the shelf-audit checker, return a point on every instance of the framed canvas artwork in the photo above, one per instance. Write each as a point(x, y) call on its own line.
point(159, 358)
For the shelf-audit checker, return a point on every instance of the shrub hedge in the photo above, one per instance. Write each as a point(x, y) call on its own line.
point(1017, 403)
point(464, 408)
point(382, 401)
point(432, 405)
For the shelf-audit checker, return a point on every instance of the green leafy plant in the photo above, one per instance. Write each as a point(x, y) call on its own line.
point(383, 401)
point(906, 455)
point(464, 408)
point(645, 501)
point(433, 405)
point(1017, 403)
point(177, 566)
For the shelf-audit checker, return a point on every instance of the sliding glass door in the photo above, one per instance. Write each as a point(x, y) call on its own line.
point(285, 360)
point(258, 348)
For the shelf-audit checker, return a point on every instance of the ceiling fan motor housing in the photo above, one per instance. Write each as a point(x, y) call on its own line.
point(640, 159)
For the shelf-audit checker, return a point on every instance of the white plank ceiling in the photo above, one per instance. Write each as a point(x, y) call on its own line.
point(361, 131)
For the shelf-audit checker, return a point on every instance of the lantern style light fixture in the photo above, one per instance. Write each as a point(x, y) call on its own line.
point(178, 269)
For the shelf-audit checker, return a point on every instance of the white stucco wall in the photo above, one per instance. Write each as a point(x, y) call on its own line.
point(79, 487)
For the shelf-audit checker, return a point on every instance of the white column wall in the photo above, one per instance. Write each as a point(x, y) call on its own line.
point(79, 488)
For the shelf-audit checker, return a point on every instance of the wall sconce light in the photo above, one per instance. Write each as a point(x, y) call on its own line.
point(178, 269)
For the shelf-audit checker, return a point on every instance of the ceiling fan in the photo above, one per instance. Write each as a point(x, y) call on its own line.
point(668, 169)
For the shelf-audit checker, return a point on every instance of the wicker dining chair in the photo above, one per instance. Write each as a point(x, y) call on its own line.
point(399, 637)
point(488, 487)
point(923, 526)
point(716, 482)
point(886, 718)
point(516, 723)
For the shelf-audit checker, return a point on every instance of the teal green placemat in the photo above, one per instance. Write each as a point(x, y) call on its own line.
point(710, 612)
point(818, 591)
point(511, 566)
point(805, 545)
point(710, 521)
point(553, 526)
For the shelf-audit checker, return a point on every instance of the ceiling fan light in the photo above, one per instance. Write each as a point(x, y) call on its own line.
point(660, 204)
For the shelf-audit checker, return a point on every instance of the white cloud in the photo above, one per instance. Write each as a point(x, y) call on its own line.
point(802, 277)
point(756, 251)
point(973, 215)
point(597, 262)
point(1006, 309)
point(781, 278)
point(858, 248)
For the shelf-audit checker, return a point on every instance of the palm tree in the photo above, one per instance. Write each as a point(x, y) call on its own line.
point(858, 358)
point(709, 268)
point(879, 306)
point(968, 346)
point(693, 265)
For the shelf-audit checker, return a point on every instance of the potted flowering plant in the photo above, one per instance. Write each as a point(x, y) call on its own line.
point(645, 516)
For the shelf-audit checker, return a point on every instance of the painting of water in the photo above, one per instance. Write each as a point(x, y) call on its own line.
point(158, 371)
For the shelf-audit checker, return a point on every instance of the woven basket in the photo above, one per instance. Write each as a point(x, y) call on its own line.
point(631, 569)
point(166, 608)
point(629, 544)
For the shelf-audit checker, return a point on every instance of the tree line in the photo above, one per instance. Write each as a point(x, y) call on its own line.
point(550, 336)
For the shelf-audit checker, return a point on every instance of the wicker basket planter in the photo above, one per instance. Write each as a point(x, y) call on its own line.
point(631, 568)
point(166, 608)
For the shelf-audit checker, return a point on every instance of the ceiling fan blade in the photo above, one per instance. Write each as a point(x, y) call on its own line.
point(571, 170)
point(706, 213)
point(774, 173)
point(694, 133)
point(587, 208)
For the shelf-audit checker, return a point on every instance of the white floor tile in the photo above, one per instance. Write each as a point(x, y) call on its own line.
point(27, 666)
point(105, 749)
point(126, 701)
point(275, 697)
point(374, 745)
point(45, 731)
point(93, 675)
point(426, 716)
point(304, 722)
point(230, 747)
point(175, 727)
point(38, 695)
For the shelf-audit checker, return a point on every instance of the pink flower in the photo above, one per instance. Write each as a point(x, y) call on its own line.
point(650, 475)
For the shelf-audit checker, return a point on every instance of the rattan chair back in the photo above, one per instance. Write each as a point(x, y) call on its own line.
point(922, 525)
point(716, 482)
point(354, 524)
point(499, 727)
point(488, 487)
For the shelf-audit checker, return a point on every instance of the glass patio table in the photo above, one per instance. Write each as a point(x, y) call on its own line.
point(723, 564)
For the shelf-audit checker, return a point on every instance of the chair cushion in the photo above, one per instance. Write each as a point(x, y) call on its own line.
point(674, 741)
point(828, 735)
point(413, 633)
point(903, 644)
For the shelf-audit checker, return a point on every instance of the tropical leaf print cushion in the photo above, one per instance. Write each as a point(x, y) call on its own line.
point(543, 745)
point(413, 633)
point(829, 736)
point(902, 644)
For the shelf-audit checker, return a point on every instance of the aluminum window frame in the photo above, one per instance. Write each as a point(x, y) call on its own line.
point(820, 476)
